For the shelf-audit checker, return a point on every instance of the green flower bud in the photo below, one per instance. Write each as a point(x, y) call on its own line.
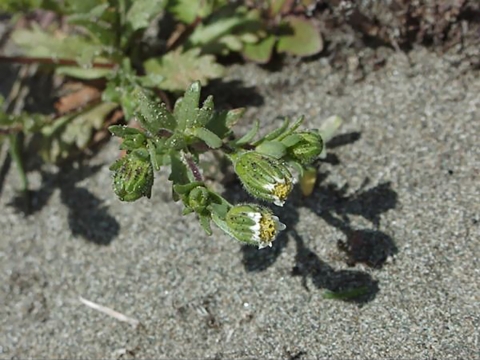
point(264, 177)
point(307, 149)
point(198, 199)
point(132, 178)
point(253, 224)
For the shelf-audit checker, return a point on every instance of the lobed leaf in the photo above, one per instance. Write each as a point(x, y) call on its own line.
point(179, 69)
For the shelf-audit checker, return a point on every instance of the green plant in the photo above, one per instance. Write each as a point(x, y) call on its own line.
point(178, 139)
point(104, 47)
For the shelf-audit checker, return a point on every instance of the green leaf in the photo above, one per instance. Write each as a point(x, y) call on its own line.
point(184, 10)
point(123, 131)
point(186, 188)
point(82, 73)
point(82, 6)
point(292, 128)
point(245, 139)
point(72, 132)
point(79, 131)
point(205, 223)
point(177, 141)
point(221, 24)
point(204, 114)
point(233, 116)
point(142, 12)
point(38, 43)
point(222, 121)
point(208, 137)
point(179, 173)
point(185, 109)
point(272, 148)
point(98, 21)
point(305, 39)
point(179, 69)
point(260, 52)
point(152, 114)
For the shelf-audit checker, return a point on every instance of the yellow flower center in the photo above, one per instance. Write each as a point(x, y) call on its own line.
point(282, 190)
point(268, 230)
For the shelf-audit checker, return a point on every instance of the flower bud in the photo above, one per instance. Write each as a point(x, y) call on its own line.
point(253, 224)
point(307, 149)
point(198, 199)
point(264, 177)
point(132, 178)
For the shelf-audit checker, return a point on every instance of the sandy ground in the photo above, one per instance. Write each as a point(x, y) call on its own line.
point(400, 186)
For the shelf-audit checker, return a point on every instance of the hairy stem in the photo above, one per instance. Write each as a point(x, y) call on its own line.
point(197, 174)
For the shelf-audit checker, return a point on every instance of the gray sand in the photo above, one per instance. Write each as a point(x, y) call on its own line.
point(404, 178)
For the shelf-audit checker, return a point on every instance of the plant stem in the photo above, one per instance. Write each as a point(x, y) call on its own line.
point(51, 61)
point(197, 174)
point(16, 149)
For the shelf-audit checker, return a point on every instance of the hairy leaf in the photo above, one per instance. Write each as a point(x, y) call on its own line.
point(208, 137)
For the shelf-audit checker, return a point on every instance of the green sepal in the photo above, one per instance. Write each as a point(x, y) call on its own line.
point(272, 148)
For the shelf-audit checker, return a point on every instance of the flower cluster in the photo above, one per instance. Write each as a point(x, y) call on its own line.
point(177, 139)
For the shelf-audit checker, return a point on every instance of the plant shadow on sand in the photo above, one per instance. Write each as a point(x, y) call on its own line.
point(332, 204)
point(87, 216)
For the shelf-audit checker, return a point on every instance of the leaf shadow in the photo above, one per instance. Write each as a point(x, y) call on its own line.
point(233, 94)
point(87, 216)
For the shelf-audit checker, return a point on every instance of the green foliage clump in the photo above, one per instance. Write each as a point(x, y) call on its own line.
point(107, 46)
point(177, 140)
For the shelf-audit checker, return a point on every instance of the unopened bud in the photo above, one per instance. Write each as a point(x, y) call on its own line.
point(132, 178)
point(307, 149)
point(198, 199)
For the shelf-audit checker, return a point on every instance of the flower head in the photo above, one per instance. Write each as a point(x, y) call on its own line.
point(253, 224)
point(264, 177)
point(132, 178)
